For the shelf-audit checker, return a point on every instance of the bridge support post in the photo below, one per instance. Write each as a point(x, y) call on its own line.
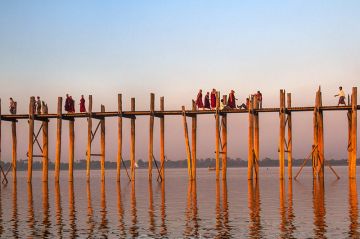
point(58, 140)
point(282, 135)
point(45, 139)
point(193, 141)
point(162, 140)
point(224, 141)
point(14, 149)
point(119, 153)
point(353, 134)
point(31, 133)
point(71, 148)
point(102, 145)
point(217, 136)
point(132, 142)
point(89, 139)
point(151, 135)
point(251, 140)
point(289, 137)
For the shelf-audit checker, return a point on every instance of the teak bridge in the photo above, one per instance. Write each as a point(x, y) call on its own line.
point(285, 140)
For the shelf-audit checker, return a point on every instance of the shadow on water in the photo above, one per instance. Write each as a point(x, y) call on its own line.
point(319, 208)
point(254, 203)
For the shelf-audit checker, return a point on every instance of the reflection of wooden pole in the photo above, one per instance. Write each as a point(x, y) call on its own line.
point(102, 145)
point(256, 138)
point(187, 144)
point(320, 137)
point(193, 141)
point(119, 154)
point(31, 133)
point(132, 144)
point(224, 141)
point(14, 149)
point(162, 140)
point(45, 146)
point(282, 134)
point(58, 140)
point(353, 209)
point(89, 139)
point(151, 135)
point(251, 141)
point(352, 165)
point(289, 142)
point(217, 136)
point(71, 148)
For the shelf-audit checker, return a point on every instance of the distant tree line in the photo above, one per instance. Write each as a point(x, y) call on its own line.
point(201, 163)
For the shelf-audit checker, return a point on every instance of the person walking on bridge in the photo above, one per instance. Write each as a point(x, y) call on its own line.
point(341, 95)
point(82, 104)
point(12, 106)
point(199, 102)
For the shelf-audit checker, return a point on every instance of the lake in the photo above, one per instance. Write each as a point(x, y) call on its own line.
point(236, 208)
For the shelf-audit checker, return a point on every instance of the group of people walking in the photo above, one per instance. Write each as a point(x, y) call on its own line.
point(210, 101)
point(70, 104)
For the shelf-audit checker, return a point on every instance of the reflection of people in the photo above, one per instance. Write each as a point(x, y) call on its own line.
point(38, 105)
point(12, 106)
point(341, 95)
point(199, 102)
point(213, 99)
point(207, 101)
point(82, 104)
point(231, 102)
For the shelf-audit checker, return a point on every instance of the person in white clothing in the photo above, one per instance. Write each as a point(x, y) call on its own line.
point(341, 95)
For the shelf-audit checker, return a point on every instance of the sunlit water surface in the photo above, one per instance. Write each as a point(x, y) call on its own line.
point(235, 208)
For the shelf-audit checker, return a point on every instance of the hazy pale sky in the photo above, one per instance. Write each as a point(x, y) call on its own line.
point(174, 48)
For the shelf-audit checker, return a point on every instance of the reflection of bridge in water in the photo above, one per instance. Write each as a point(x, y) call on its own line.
point(285, 139)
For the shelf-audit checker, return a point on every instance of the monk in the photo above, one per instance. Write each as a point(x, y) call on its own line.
point(231, 101)
point(199, 102)
point(207, 101)
point(213, 99)
point(82, 104)
point(67, 103)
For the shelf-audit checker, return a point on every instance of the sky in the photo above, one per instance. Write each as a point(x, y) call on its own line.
point(173, 49)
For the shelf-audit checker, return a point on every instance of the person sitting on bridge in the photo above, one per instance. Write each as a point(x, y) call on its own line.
point(12, 106)
point(245, 105)
point(199, 102)
point(341, 95)
point(207, 101)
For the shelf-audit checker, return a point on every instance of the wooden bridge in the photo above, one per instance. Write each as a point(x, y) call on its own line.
point(285, 143)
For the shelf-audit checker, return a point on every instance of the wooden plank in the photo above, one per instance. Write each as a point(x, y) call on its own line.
point(102, 145)
point(151, 136)
point(132, 143)
point(89, 140)
point(30, 137)
point(58, 140)
point(119, 141)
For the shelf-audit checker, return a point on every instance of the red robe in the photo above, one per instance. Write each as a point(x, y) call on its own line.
point(199, 101)
point(207, 102)
point(82, 105)
point(213, 100)
point(231, 101)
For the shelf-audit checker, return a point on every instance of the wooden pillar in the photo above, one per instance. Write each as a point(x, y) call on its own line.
point(14, 149)
point(0, 133)
point(89, 139)
point(224, 142)
point(58, 139)
point(289, 135)
point(187, 144)
point(119, 154)
point(162, 139)
point(132, 143)
point(31, 137)
point(71, 148)
point(320, 137)
point(102, 145)
point(256, 138)
point(352, 162)
point(282, 134)
point(151, 135)
point(45, 146)
point(316, 132)
point(251, 140)
point(193, 141)
point(217, 136)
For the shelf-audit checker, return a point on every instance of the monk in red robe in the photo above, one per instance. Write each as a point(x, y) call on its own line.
point(213, 99)
point(232, 99)
point(82, 104)
point(207, 101)
point(199, 102)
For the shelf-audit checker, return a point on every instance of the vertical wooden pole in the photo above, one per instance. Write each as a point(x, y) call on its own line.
point(217, 136)
point(251, 140)
point(282, 134)
point(119, 154)
point(45, 131)
point(132, 145)
point(256, 138)
point(58, 140)
point(14, 149)
point(102, 145)
point(162, 139)
point(289, 135)
point(89, 139)
point(0, 133)
point(352, 170)
point(224, 142)
point(349, 147)
point(193, 141)
point(31, 137)
point(316, 132)
point(151, 135)
point(320, 137)
point(71, 148)
point(187, 144)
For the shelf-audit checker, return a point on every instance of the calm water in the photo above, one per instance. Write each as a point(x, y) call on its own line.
point(178, 209)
